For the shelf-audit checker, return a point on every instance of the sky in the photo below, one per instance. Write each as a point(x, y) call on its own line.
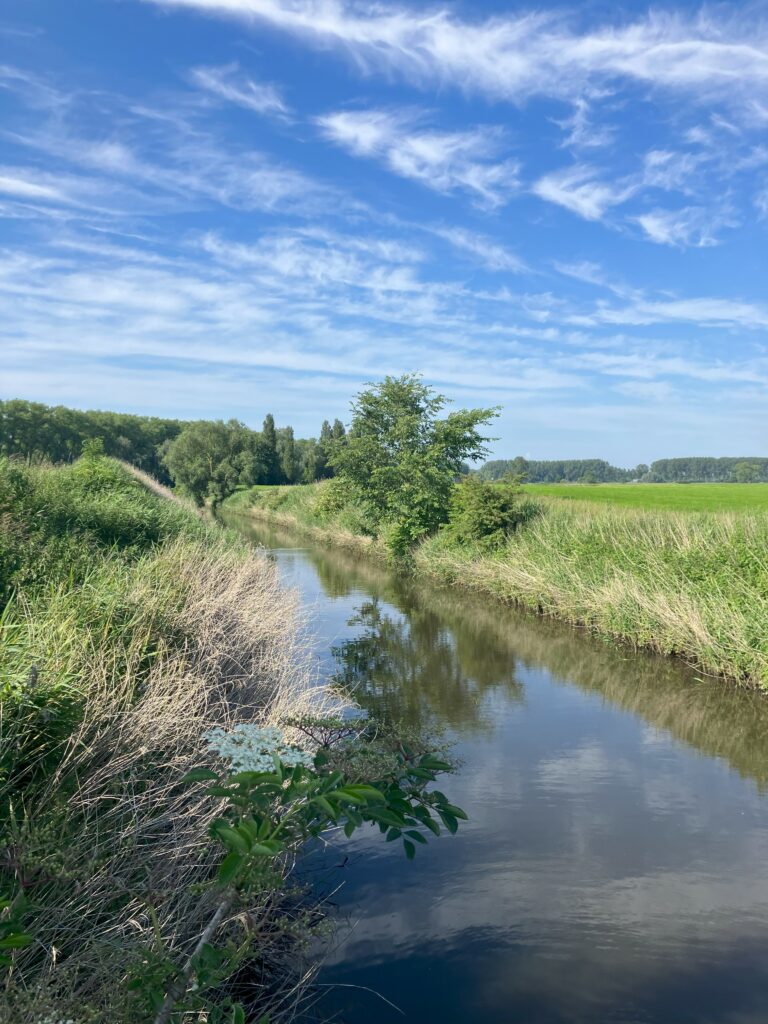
point(219, 208)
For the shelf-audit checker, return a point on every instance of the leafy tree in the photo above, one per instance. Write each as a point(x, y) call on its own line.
point(273, 474)
point(400, 459)
point(746, 472)
point(211, 458)
point(323, 467)
point(286, 453)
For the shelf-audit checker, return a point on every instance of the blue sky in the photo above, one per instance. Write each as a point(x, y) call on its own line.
point(222, 207)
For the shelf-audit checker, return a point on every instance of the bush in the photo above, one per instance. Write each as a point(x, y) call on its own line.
point(487, 513)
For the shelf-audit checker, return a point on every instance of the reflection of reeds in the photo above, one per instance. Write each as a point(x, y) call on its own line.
point(490, 642)
point(143, 655)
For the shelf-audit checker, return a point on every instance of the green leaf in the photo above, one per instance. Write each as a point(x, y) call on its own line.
point(455, 811)
point(16, 940)
point(268, 848)
point(231, 839)
point(417, 836)
point(345, 796)
point(369, 793)
point(229, 867)
point(250, 828)
point(434, 764)
point(394, 833)
point(200, 775)
point(218, 791)
point(326, 806)
point(349, 828)
point(245, 834)
point(449, 821)
point(386, 817)
point(238, 1014)
point(410, 849)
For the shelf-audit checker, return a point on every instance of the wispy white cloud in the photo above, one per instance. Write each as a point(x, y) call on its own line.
point(21, 185)
point(583, 132)
point(229, 83)
point(486, 251)
point(580, 190)
point(519, 55)
point(440, 160)
point(689, 227)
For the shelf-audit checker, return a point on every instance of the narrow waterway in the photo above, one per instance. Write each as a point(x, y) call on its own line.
point(615, 866)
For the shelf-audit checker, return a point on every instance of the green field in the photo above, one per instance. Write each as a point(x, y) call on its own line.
point(679, 497)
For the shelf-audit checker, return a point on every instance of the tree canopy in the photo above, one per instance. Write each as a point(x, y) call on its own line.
point(401, 459)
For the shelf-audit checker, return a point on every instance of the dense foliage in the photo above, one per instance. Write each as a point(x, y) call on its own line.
point(401, 460)
point(597, 471)
point(486, 513)
point(56, 433)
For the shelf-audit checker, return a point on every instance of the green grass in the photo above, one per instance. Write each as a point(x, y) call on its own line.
point(677, 497)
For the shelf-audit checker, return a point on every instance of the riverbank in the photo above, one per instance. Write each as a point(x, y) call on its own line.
point(693, 585)
point(129, 629)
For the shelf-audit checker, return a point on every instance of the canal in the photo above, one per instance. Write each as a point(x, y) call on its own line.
point(615, 866)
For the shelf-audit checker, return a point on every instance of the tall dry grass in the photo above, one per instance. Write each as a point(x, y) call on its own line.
point(137, 660)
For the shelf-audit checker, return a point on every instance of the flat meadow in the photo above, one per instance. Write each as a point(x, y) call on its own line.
point(676, 497)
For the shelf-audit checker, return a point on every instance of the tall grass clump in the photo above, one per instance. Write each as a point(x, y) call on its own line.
point(689, 584)
point(129, 629)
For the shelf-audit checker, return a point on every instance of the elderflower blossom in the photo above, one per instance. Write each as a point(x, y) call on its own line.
point(252, 748)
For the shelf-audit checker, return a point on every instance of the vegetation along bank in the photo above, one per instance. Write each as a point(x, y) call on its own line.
point(688, 583)
point(165, 756)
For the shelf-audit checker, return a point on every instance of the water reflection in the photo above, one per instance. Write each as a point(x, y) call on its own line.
point(615, 868)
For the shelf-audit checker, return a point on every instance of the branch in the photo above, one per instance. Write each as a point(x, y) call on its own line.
point(179, 987)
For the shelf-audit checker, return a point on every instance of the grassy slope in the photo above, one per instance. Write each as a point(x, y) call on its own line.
point(692, 584)
point(679, 497)
point(128, 629)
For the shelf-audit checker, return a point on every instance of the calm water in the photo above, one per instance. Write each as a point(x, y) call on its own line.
point(615, 867)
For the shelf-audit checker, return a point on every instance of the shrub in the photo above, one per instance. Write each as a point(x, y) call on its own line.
point(487, 513)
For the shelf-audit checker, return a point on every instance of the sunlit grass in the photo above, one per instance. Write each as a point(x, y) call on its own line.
point(678, 497)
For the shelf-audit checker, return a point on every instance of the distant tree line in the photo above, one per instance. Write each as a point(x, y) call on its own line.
point(689, 470)
point(56, 433)
point(206, 458)
point(560, 471)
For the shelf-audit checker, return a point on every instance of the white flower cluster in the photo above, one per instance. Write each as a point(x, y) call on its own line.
point(50, 1019)
point(252, 748)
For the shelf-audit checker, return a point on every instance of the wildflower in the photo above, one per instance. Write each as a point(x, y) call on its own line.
point(253, 748)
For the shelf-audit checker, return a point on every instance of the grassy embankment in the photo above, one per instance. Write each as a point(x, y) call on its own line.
point(693, 584)
point(129, 628)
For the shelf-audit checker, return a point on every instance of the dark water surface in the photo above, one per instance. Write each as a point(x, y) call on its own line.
point(615, 867)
